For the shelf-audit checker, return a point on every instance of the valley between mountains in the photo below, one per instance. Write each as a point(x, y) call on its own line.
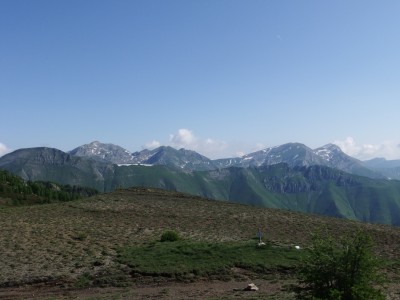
point(293, 177)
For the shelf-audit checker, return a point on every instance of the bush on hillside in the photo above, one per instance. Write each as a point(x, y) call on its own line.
point(169, 236)
point(346, 269)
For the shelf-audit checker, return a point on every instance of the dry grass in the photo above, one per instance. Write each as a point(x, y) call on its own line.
point(62, 243)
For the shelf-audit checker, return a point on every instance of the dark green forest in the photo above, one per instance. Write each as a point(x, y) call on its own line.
point(15, 191)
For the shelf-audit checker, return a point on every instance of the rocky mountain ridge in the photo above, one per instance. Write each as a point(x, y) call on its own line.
point(103, 152)
point(293, 154)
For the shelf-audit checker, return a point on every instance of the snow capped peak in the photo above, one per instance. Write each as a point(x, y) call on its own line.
point(331, 147)
point(329, 152)
point(104, 152)
point(324, 153)
point(292, 154)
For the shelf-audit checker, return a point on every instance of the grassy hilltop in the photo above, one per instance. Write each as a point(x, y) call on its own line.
point(113, 240)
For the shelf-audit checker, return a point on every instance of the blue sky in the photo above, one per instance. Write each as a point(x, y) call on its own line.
point(221, 77)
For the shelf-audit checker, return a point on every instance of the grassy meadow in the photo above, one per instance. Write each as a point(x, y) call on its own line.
point(113, 241)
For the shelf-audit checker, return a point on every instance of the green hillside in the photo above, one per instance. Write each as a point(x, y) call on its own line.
point(48, 164)
point(315, 189)
point(312, 189)
point(15, 191)
point(108, 247)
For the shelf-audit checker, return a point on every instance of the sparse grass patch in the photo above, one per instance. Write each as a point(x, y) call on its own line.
point(84, 280)
point(183, 259)
point(81, 236)
point(111, 277)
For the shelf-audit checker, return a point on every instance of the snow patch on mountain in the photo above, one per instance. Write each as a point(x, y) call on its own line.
point(104, 152)
point(329, 152)
point(292, 154)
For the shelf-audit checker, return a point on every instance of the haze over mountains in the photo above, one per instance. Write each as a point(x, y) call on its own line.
point(291, 176)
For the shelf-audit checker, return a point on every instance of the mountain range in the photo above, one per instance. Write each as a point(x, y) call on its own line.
point(291, 176)
point(388, 168)
point(293, 154)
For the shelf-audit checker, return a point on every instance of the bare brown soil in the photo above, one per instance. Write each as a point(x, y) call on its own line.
point(212, 290)
point(164, 290)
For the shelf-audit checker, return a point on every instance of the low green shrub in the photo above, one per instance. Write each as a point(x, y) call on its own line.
point(344, 268)
point(84, 280)
point(81, 236)
point(169, 236)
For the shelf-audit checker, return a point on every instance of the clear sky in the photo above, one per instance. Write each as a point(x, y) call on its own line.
point(221, 77)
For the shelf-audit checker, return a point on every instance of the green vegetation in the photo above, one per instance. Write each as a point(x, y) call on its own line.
point(346, 269)
point(187, 259)
point(314, 189)
point(113, 240)
point(169, 236)
point(83, 280)
point(15, 191)
point(81, 236)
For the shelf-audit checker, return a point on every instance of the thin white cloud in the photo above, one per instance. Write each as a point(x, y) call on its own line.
point(152, 145)
point(240, 154)
point(4, 149)
point(183, 138)
point(209, 147)
point(258, 147)
point(386, 149)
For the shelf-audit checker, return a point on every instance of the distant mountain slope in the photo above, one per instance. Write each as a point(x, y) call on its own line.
point(293, 154)
point(312, 189)
point(171, 157)
point(307, 188)
point(389, 168)
point(164, 155)
point(296, 154)
point(334, 157)
point(104, 152)
point(48, 164)
point(391, 173)
point(382, 163)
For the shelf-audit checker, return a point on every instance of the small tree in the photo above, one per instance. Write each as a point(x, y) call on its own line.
point(345, 270)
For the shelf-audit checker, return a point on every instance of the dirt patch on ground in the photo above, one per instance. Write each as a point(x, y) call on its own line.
point(211, 290)
point(163, 290)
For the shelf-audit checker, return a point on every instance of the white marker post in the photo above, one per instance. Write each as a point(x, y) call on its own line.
point(259, 235)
